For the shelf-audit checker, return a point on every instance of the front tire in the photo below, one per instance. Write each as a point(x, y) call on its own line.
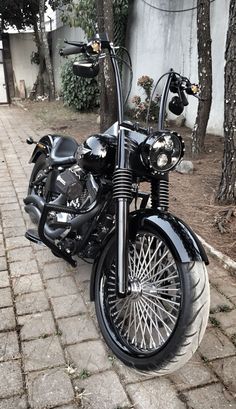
point(160, 323)
point(37, 172)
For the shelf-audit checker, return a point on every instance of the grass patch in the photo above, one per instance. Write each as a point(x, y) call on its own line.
point(214, 322)
point(84, 374)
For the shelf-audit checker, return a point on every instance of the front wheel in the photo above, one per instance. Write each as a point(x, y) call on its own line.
point(38, 178)
point(160, 323)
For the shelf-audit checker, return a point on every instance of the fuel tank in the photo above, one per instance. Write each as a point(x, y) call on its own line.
point(97, 153)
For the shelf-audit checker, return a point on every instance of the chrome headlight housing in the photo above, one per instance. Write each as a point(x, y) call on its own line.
point(162, 151)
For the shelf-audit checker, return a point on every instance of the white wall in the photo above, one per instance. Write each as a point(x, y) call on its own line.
point(58, 37)
point(22, 45)
point(159, 41)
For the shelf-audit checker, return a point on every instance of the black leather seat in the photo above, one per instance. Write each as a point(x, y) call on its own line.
point(64, 151)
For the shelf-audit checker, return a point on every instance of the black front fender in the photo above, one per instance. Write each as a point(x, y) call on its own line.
point(183, 242)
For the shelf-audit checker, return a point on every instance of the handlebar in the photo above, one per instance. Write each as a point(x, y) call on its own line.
point(74, 49)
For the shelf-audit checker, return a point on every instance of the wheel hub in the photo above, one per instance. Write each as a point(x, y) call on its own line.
point(135, 288)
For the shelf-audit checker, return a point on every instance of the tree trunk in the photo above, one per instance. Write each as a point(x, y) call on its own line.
point(227, 187)
point(205, 75)
point(38, 88)
point(45, 47)
point(108, 101)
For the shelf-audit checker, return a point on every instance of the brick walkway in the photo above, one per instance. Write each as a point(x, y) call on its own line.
point(51, 352)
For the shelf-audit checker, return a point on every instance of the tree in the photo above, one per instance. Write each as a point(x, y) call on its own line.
point(108, 102)
point(111, 17)
point(227, 188)
point(45, 49)
point(205, 75)
point(18, 13)
point(22, 14)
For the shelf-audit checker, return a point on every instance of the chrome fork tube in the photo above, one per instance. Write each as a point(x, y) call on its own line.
point(122, 185)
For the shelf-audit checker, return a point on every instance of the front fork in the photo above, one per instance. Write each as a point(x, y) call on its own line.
point(122, 194)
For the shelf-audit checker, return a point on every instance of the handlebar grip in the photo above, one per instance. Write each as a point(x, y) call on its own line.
point(72, 50)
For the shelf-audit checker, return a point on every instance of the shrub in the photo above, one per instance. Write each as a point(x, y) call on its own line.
point(140, 109)
point(79, 93)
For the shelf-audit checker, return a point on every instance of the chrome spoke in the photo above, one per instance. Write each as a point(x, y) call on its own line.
point(146, 318)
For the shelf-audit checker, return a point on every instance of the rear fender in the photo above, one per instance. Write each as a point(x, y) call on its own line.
point(44, 145)
point(183, 242)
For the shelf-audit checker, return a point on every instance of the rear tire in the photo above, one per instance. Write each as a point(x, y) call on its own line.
point(160, 324)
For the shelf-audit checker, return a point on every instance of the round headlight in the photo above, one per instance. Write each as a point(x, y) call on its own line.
point(162, 151)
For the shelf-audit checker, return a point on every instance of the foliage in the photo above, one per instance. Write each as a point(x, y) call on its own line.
point(140, 110)
point(23, 13)
point(18, 13)
point(79, 93)
point(83, 13)
point(35, 58)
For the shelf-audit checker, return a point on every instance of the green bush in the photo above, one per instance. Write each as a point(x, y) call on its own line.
point(81, 94)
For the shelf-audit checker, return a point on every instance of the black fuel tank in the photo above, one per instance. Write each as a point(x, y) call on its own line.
point(97, 153)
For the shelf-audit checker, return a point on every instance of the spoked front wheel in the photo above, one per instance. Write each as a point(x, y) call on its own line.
point(160, 323)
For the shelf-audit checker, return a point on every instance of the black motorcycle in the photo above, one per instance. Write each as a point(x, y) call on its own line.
point(149, 280)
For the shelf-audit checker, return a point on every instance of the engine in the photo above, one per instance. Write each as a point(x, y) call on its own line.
point(81, 226)
point(79, 187)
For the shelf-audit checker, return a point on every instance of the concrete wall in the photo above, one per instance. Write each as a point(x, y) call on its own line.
point(159, 41)
point(21, 46)
point(58, 37)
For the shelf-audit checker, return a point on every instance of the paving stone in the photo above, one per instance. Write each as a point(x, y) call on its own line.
point(216, 345)
point(77, 329)
point(31, 303)
point(192, 374)
point(227, 321)
point(10, 206)
point(210, 397)
point(45, 256)
point(18, 402)
point(15, 231)
point(6, 223)
point(218, 300)
point(5, 297)
point(37, 325)
point(49, 388)
point(2, 249)
point(20, 268)
point(10, 199)
point(68, 305)
point(13, 216)
point(55, 270)
point(7, 319)
point(129, 375)
point(83, 273)
point(155, 393)
point(16, 242)
point(10, 379)
point(42, 353)
point(3, 264)
point(9, 348)
point(4, 279)
point(19, 255)
point(226, 370)
point(27, 284)
point(61, 286)
point(103, 390)
point(90, 355)
point(227, 286)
